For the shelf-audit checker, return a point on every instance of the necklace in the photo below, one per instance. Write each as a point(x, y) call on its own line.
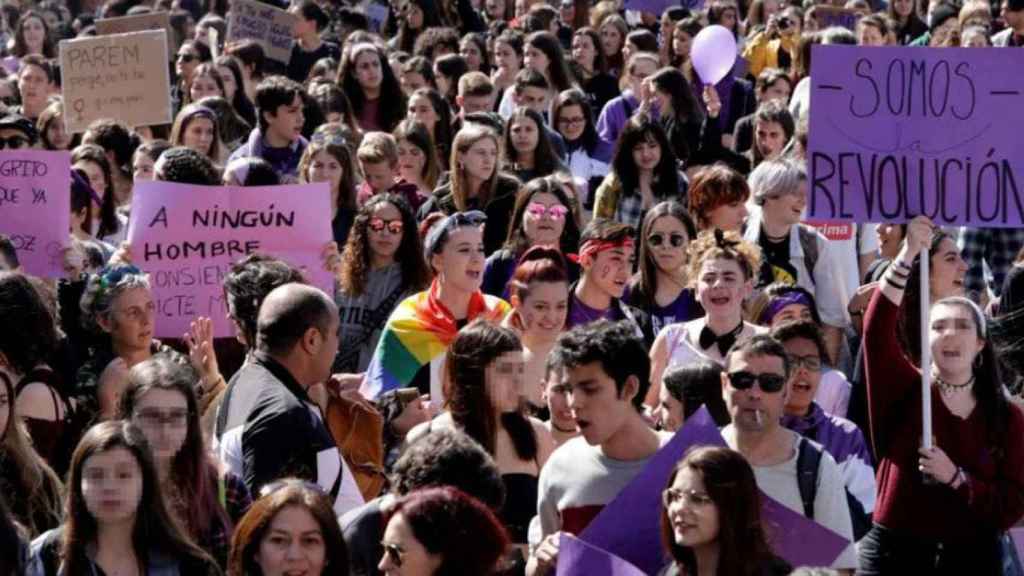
point(949, 389)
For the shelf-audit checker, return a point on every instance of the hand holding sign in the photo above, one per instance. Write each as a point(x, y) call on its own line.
point(713, 53)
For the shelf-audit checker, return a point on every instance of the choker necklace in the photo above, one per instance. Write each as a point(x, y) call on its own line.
point(948, 389)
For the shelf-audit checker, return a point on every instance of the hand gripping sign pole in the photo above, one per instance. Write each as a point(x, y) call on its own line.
point(926, 356)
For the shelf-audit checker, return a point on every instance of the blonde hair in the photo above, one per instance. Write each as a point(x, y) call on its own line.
point(714, 245)
point(378, 147)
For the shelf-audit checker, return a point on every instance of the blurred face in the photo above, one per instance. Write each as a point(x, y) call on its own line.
point(57, 135)
point(112, 486)
point(544, 309)
point(411, 161)
point(667, 241)
point(974, 39)
point(524, 136)
point(404, 555)
point(571, 122)
point(423, 111)
point(33, 85)
point(584, 51)
point(904, 7)
point(890, 238)
point(953, 336)
point(460, 264)
point(287, 121)
point(368, 71)
point(385, 231)
point(293, 544)
point(721, 287)
point(691, 512)
point(544, 220)
point(495, 9)
point(647, 154)
point(730, 216)
point(754, 409)
point(610, 270)
point(505, 381)
point(870, 36)
point(788, 208)
point(597, 407)
point(227, 78)
point(556, 394)
point(203, 86)
point(805, 374)
point(729, 19)
point(535, 59)
point(471, 52)
point(481, 159)
point(792, 313)
point(199, 135)
point(779, 90)
point(162, 415)
point(669, 413)
point(770, 138)
point(413, 16)
point(611, 40)
point(378, 175)
point(131, 319)
point(412, 81)
point(947, 271)
point(1013, 18)
point(326, 168)
point(34, 32)
point(681, 42)
point(187, 61)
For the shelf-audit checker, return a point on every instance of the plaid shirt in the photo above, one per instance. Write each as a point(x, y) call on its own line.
point(996, 246)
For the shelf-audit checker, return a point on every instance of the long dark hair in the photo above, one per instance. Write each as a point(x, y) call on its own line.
point(240, 101)
point(576, 97)
point(442, 129)
point(473, 350)
point(154, 525)
point(729, 482)
point(405, 40)
point(108, 216)
point(600, 61)
point(908, 319)
point(21, 47)
point(355, 259)
point(684, 105)
point(641, 128)
point(392, 100)
point(645, 283)
point(545, 161)
point(21, 306)
point(517, 242)
point(417, 134)
point(559, 75)
point(193, 471)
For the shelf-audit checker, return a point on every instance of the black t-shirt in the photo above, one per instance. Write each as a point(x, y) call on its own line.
point(776, 266)
point(302, 62)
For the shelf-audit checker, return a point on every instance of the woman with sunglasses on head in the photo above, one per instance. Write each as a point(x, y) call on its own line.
point(722, 270)
point(116, 520)
point(291, 529)
point(411, 348)
point(328, 158)
point(207, 502)
point(442, 532)
point(661, 288)
point(542, 217)
point(711, 517)
point(953, 500)
point(382, 263)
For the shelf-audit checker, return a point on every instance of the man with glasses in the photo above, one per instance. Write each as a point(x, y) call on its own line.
point(16, 132)
point(755, 386)
point(839, 437)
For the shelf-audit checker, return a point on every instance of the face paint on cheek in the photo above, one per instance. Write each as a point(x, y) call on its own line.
point(605, 272)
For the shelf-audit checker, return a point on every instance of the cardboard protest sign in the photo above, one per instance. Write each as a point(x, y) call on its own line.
point(898, 132)
point(139, 23)
point(658, 6)
point(270, 26)
point(121, 76)
point(828, 16)
point(797, 538)
point(578, 558)
point(35, 207)
point(186, 237)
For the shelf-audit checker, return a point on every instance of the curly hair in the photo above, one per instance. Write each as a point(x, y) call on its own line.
point(715, 244)
point(114, 137)
point(392, 99)
point(185, 165)
point(248, 283)
point(22, 306)
point(103, 289)
point(447, 457)
point(356, 257)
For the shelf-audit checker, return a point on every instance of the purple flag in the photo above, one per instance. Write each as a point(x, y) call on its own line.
point(797, 538)
point(35, 208)
point(629, 525)
point(578, 558)
point(902, 131)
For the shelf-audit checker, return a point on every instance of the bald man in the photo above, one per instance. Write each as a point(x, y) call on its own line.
point(272, 428)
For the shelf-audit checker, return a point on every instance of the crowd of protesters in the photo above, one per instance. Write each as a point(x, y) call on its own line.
point(552, 243)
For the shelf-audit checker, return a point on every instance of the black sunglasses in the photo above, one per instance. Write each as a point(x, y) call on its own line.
point(676, 240)
point(14, 142)
point(769, 383)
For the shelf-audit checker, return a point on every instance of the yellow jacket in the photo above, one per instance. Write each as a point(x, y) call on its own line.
point(762, 52)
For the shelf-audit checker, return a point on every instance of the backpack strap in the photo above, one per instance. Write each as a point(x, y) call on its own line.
point(809, 244)
point(808, 461)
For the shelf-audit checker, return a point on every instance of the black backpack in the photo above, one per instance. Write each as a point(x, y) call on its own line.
point(808, 461)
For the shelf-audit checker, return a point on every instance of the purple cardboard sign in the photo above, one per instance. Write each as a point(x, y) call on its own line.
point(35, 208)
point(186, 237)
point(656, 7)
point(638, 505)
point(798, 539)
point(578, 558)
point(898, 132)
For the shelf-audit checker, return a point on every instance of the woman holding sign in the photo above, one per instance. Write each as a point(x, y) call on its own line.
point(944, 506)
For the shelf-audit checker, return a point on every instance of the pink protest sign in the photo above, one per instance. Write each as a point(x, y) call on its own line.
point(186, 237)
point(35, 207)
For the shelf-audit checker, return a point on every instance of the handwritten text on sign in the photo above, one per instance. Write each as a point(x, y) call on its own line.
point(120, 76)
point(35, 207)
point(186, 238)
point(270, 26)
point(898, 132)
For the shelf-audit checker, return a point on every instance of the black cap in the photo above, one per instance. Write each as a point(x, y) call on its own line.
point(19, 122)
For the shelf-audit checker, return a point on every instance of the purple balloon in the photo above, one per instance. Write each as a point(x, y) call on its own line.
point(713, 53)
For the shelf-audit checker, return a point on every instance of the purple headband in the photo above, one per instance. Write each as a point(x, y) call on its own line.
point(776, 304)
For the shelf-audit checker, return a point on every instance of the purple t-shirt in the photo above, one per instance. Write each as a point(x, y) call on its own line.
point(683, 309)
point(580, 313)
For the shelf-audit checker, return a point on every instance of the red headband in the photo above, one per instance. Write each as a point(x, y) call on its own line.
point(590, 248)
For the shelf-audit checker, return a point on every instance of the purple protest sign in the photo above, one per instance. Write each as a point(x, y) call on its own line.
point(658, 6)
point(186, 237)
point(898, 132)
point(797, 538)
point(639, 504)
point(578, 558)
point(35, 207)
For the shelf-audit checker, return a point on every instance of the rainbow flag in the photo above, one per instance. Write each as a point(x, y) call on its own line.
point(418, 331)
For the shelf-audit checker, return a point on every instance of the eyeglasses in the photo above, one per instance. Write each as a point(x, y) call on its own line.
point(672, 496)
point(394, 552)
point(571, 121)
point(187, 57)
point(393, 226)
point(768, 382)
point(14, 142)
point(157, 418)
point(676, 240)
point(812, 363)
point(555, 211)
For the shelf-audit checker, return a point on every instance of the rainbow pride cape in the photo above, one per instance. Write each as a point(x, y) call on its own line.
point(417, 332)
